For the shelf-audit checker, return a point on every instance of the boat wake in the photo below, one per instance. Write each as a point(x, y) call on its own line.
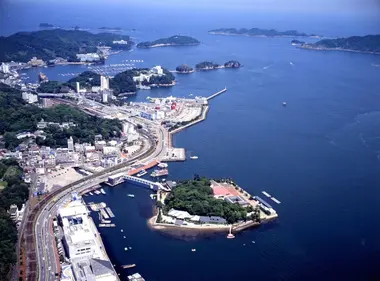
point(266, 67)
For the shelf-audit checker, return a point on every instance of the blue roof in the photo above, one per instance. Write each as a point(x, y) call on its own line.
point(263, 202)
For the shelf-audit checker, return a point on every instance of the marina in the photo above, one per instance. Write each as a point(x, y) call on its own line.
point(266, 194)
point(275, 200)
point(143, 172)
point(104, 214)
point(111, 214)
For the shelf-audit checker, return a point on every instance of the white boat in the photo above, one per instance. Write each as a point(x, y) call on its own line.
point(142, 172)
point(91, 193)
point(194, 157)
point(163, 165)
point(131, 195)
point(284, 103)
point(97, 192)
point(102, 191)
point(193, 250)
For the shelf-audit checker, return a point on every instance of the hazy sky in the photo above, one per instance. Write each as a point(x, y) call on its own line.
point(287, 6)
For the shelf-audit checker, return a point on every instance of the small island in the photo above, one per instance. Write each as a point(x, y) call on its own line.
point(296, 42)
point(46, 25)
point(184, 69)
point(176, 40)
point(210, 204)
point(361, 44)
point(207, 65)
point(258, 32)
point(232, 64)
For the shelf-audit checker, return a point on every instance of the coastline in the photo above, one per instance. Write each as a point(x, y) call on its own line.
point(168, 45)
point(308, 47)
point(262, 36)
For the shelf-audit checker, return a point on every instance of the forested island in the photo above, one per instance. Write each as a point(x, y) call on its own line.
point(16, 116)
point(121, 83)
point(196, 197)
point(208, 65)
point(259, 32)
point(12, 191)
point(296, 42)
point(176, 40)
point(51, 44)
point(184, 68)
point(361, 44)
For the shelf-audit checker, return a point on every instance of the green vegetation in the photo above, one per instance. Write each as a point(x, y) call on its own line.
point(232, 64)
point(176, 40)
point(206, 65)
point(367, 44)
point(257, 32)
point(54, 87)
point(123, 82)
point(50, 44)
point(15, 192)
point(196, 197)
point(166, 79)
point(17, 116)
point(184, 68)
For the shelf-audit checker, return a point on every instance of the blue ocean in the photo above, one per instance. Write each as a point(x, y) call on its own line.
point(319, 155)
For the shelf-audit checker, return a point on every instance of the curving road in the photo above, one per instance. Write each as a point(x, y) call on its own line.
point(42, 257)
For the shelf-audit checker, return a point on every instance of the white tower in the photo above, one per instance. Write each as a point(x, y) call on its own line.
point(70, 144)
point(78, 87)
point(125, 128)
point(104, 83)
point(104, 96)
point(5, 68)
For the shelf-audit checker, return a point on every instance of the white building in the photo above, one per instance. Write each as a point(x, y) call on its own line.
point(104, 83)
point(104, 97)
point(70, 144)
point(5, 68)
point(157, 70)
point(78, 87)
point(89, 57)
point(29, 97)
point(121, 42)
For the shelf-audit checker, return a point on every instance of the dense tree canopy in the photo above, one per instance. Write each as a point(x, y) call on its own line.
point(258, 32)
point(176, 40)
point(15, 192)
point(196, 197)
point(369, 43)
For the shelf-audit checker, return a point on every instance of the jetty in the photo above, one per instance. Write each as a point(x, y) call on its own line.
point(216, 94)
point(109, 211)
point(104, 214)
point(107, 225)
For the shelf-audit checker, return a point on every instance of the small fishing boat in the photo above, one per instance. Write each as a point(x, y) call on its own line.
point(163, 165)
point(142, 172)
point(193, 157)
point(102, 191)
point(131, 195)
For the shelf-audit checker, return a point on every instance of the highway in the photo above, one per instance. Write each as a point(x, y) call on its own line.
point(43, 263)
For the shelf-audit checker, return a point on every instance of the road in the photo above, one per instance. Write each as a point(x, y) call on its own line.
point(45, 264)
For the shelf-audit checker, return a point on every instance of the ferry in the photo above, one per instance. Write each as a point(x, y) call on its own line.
point(102, 191)
point(131, 195)
point(142, 172)
point(128, 265)
point(159, 173)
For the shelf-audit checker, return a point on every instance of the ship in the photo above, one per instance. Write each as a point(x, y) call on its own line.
point(42, 78)
point(159, 173)
point(142, 172)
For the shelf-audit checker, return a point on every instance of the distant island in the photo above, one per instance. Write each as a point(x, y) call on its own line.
point(361, 44)
point(296, 42)
point(184, 68)
point(258, 32)
point(46, 25)
point(176, 40)
point(208, 65)
point(110, 28)
point(57, 43)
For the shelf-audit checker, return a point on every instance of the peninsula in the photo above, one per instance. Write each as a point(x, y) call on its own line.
point(258, 32)
point(57, 43)
point(361, 44)
point(176, 40)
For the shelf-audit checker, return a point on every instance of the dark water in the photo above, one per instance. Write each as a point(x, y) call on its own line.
point(320, 155)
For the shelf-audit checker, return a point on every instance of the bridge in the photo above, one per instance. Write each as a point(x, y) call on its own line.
point(146, 183)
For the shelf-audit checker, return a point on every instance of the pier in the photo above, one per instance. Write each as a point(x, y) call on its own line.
point(217, 93)
point(104, 214)
point(109, 211)
point(146, 183)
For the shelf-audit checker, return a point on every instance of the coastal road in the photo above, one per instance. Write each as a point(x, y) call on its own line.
point(44, 240)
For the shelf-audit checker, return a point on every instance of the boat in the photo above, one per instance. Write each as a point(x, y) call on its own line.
point(142, 172)
point(131, 195)
point(106, 221)
point(159, 173)
point(193, 250)
point(97, 192)
point(284, 103)
point(102, 191)
point(126, 249)
point(129, 265)
point(163, 165)
point(194, 157)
